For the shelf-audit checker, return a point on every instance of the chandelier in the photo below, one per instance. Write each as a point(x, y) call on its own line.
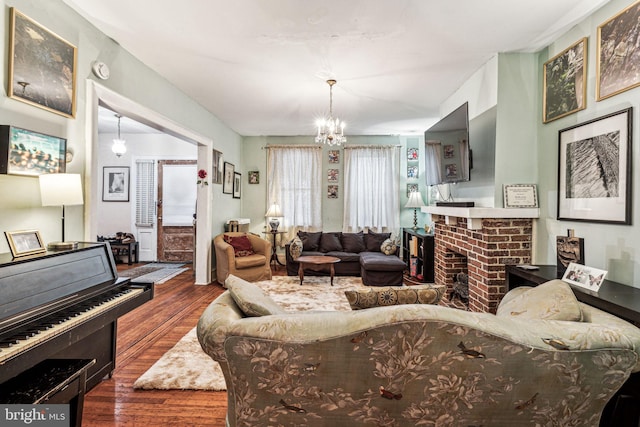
point(330, 131)
point(119, 147)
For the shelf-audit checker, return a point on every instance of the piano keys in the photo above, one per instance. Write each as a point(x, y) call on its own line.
point(61, 305)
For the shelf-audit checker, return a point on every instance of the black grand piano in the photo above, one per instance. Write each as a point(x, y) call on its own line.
point(63, 305)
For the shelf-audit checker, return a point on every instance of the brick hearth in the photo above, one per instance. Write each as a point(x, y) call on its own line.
point(482, 252)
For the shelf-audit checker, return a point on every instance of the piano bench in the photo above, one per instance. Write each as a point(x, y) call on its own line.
point(54, 381)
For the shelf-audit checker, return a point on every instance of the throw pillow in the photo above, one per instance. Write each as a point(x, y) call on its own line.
point(395, 295)
point(389, 247)
point(373, 241)
point(330, 242)
point(241, 245)
point(353, 242)
point(251, 299)
point(310, 241)
point(295, 248)
point(553, 300)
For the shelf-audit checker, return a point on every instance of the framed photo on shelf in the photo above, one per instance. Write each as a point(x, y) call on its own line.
point(115, 184)
point(583, 276)
point(617, 68)
point(216, 173)
point(254, 177)
point(565, 82)
point(520, 196)
point(237, 183)
point(42, 67)
point(27, 242)
point(25, 152)
point(227, 183)
point(594, 170)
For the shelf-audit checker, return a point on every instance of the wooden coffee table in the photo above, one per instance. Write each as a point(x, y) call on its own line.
point(316, 263)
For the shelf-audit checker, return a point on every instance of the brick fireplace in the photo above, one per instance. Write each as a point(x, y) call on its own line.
point(477, 242)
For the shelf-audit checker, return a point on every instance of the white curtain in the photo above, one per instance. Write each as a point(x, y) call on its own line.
point(294, 181)
point(372, 189)
point(433, 162)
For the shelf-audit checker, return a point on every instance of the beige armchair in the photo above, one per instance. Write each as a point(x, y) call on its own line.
point(251, 268)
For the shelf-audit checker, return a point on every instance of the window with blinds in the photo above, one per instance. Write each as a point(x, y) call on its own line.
point(145, 187)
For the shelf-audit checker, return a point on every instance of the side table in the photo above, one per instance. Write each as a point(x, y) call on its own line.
point(129, 249)
point(274, 248)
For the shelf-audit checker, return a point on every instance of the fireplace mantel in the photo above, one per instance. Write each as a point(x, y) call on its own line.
point(475, 216)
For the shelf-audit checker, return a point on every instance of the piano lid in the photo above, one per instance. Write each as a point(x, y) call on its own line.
point(33, 285)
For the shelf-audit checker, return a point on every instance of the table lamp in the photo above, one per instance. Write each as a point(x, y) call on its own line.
point(273, 213)
point(61, 189)
point(415, 202)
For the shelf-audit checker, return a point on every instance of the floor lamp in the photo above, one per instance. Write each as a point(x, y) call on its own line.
point(415, 202)
point(61, 189)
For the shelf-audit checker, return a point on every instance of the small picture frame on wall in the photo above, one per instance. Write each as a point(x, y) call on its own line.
point(520, 196)
point(565, 82)
point(617, 66)
point(332, 175)
point(411, 188)
point(412, 154)
point(26, 242)
point(334, 156)
point(254, 177)
point(28, 153)
point(412, 172)
point(227, 184)
point(42, 67)
point(115, 184)
point(237, 183)
point(216, 173)
point(449, 152)
point(332, 191)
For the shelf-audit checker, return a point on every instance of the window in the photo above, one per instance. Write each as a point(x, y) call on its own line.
point(145, 187)
point(294, 182)
point(372, 188)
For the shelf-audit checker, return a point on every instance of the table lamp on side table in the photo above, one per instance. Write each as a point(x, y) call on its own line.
point(415, 202)
point(61, 189)
point(273, 214)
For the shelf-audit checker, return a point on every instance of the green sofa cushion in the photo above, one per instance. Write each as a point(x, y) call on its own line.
point(553, 300)
point(250, 298)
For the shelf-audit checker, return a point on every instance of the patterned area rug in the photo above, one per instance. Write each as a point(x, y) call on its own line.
point(187, 367)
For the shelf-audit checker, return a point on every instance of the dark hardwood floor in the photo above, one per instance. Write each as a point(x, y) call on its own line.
point(144, 335)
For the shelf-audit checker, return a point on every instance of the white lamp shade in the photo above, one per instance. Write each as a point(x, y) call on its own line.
point(60, 189)
point(274, 211)
point(415, 200)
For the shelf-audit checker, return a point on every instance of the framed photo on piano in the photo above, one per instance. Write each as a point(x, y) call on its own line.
point(25, 242)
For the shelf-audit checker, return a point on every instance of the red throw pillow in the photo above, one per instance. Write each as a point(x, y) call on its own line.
point(241, 245)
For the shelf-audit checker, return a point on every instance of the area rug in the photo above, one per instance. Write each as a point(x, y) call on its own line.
point(154, 272)
point(187, 367)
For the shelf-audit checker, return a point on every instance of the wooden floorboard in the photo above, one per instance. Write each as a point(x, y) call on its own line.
point(144, 335)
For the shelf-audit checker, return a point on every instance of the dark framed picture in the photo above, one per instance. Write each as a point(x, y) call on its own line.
point(332, 191)
point(332, 175)
point(216, 173)
point(618, 67)
point(42, 67)
point(449, 151)
point(334, 156)
point(254, 177)
point(27, 242)
point(227, 183)
point(24, 152)
point(237, 182)
point(115, 184)
point(565, 82)
point(594, 170)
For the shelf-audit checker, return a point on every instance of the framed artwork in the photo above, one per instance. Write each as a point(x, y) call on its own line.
point(115, 184)
point(594, 170)
point(27, 242)
point(565, 82)
point(412, 154)
point(42, 67)
point(412, 171)
point(254, 177)
point(216, 173)
point(237, 182)
point(332, 175)
point(451, 170)
point(583, 276)
point(569, 249)
point(334, 156)
point(332, 191)
point(520, 196)
point(411, 188)
point(618, 68)
point(24, 152)
point(449, 151)
point(227, 183)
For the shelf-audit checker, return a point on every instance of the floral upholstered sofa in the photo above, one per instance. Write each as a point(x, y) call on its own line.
point(409, 365)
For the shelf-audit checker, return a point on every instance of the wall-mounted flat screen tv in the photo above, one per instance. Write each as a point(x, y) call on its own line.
point(447, 154)
point(25, 152)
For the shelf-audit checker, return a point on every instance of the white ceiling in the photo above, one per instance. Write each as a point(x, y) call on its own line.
point(261, 65)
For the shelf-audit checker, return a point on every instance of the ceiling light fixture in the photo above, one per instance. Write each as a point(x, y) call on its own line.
point(331, 131)
point(119, 147)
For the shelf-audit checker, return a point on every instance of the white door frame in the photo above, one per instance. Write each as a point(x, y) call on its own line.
point(97, 94)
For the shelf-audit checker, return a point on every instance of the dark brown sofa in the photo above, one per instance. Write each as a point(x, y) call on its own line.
point(359, 255)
